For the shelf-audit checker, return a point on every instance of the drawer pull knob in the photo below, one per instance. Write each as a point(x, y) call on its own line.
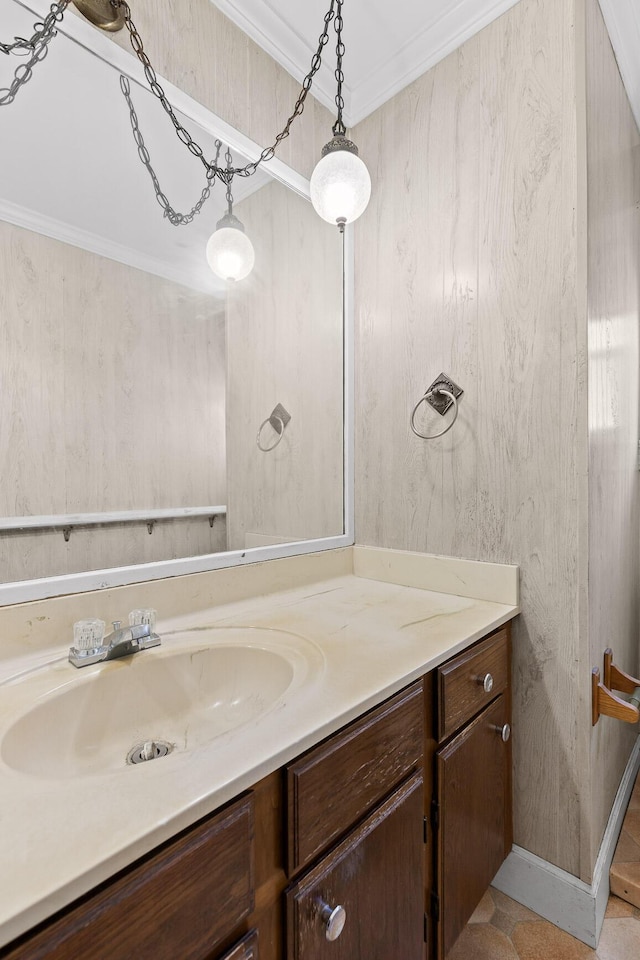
point(334, 919)
point(504, 731)
point(486, 682)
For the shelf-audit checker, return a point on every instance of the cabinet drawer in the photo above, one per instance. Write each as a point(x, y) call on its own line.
point(461, 693)
point(181, 902)
point(335, 784)
point(377, 876)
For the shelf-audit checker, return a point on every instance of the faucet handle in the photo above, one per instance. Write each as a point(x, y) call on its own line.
point(88, 642)
point(116, 624)
point(146, 615)
point(143, 624)
point(88, 634)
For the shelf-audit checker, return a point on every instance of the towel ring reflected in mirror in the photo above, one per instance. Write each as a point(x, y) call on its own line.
point(279, 419)
point(280, 433)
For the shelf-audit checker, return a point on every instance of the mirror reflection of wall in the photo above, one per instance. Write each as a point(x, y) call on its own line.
point(113, 400)
point(132, 378)
point(284, 345)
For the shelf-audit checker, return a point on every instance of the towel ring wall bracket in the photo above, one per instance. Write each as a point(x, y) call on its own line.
point(438, 400)
point(441, 395)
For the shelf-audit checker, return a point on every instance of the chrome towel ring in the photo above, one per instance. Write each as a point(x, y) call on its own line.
point(441, 395)
point(278, 418)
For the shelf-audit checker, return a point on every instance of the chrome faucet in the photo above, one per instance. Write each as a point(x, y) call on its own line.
point(125, 640)
point(121, 642)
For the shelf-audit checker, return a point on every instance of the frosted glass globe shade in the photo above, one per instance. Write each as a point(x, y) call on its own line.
point(230, 253)
point(340, 187)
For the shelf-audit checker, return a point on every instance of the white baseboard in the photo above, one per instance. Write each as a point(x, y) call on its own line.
point(560, 897)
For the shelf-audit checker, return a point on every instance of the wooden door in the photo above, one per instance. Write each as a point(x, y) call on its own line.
point(377, 876)
point(474, 817)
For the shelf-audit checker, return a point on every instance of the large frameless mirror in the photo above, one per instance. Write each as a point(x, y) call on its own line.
point(157, 419)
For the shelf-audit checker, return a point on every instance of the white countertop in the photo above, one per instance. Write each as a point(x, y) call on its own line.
point(61, 837)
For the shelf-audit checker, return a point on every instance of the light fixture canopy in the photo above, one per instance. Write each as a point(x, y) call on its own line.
point(102, 13)
point(230, 253)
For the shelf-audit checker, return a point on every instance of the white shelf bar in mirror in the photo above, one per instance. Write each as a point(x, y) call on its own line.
point(61, 521)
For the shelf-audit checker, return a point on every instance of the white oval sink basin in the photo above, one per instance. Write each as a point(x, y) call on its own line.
point(197, 686)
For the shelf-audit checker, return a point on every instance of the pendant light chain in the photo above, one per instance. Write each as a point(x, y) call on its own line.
point(339, 129)
point(173, 216)
point(38, 44)
point(213, 170)
point(45, 31)
point(229, 160)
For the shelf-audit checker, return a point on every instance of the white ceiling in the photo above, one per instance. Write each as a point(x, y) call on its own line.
point(623, 23)
point(391, 42)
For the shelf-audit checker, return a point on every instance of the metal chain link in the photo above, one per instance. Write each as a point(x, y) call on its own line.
point(38, 45)
point(339, 128)
point(172, 215)
point(229, 161)
point(213, 170)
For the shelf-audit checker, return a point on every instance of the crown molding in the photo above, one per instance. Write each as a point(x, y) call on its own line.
point(622, 18)
point(423, 51)
point(28, 219)
point(267, 28)
point(441, 36)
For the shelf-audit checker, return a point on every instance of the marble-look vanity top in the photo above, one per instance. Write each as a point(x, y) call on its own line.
point(367, 623)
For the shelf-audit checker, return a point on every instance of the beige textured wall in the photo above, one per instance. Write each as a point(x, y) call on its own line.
point(466, 262)
point(613, 171)
point(102, 366)
point(284, 345)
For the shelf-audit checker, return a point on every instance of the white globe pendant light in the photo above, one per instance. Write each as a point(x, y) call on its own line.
point(340, 183)
point(230, 253)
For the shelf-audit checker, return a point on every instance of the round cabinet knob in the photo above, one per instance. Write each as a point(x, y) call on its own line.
point(486, 682)
point(334, 919)
point(504, 731)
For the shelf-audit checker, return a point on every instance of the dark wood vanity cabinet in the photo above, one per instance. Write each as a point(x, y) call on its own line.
point(401, 819)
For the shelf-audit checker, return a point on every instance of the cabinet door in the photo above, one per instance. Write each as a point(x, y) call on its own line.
point(377, 875)
point(474, 813)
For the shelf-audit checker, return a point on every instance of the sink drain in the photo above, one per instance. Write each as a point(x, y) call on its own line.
point(149, 750)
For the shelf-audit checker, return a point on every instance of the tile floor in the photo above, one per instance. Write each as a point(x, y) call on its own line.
point(502, 929)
